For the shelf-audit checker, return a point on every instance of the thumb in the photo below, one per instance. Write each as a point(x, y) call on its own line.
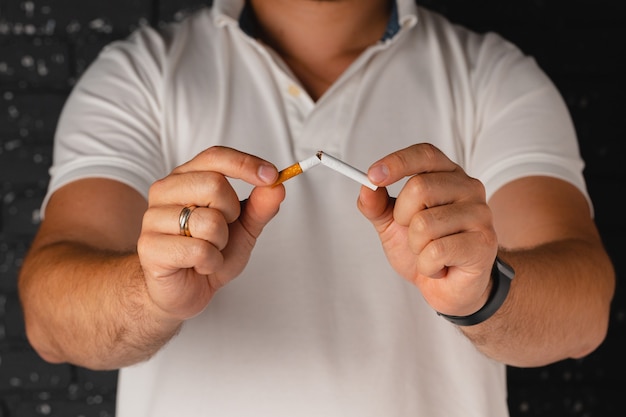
point(259, 209)
point(377, 207)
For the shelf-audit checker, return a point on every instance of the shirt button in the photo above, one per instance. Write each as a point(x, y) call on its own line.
point(293, 90)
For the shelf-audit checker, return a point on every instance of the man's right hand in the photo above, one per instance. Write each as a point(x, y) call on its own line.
point(183, 272)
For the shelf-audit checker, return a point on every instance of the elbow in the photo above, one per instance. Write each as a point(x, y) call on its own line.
point(598, 325)
point(41, 344)
point(592, 340)
point(595, 337)
point(36, 329)
point(48, 355)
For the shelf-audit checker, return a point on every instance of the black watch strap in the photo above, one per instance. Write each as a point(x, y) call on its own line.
point(501, 274)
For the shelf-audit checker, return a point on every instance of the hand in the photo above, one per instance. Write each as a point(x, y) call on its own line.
point(183, 273)
point(438, 233)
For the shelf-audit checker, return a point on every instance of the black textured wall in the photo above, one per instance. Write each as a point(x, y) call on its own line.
point(46, 44)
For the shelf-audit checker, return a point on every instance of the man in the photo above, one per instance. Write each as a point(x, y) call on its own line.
point(163, 251)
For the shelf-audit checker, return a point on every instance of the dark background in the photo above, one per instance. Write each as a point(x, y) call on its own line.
point(46, 44)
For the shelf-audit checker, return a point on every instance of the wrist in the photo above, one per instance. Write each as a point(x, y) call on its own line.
point(501, 276)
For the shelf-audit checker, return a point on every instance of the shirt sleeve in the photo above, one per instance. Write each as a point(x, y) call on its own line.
point(523, 125)
point(110, 124)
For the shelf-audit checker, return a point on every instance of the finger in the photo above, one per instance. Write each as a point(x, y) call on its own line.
point(429, 190)
point(199, 188)
point(461, 252)
point(232, 163)
point(177, 271)
point(461, 269)
point(203, 223)
point(431, 225)
point(415, 159)
point(163, 255)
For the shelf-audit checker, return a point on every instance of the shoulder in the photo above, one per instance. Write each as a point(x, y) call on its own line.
point(163, 42)
point(459, 41)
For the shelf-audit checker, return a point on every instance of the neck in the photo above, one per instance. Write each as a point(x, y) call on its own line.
point(319, 39)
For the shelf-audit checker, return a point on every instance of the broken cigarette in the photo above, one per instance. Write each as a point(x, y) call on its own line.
point(345, 169)
point(297, 169)
point(331, 162)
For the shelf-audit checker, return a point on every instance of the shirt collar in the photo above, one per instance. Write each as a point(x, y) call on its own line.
point(393, 25)
point(248, 21)
point(403, 14)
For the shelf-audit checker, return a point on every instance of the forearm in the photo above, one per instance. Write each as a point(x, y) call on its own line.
point(557, 308)
point(90, 307)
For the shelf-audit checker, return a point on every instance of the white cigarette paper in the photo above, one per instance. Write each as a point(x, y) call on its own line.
point(309, 163)
point(345, 169)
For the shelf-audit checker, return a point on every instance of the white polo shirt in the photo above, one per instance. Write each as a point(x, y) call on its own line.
point(318, 324)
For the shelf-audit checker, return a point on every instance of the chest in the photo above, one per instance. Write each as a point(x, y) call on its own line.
point(384, 101)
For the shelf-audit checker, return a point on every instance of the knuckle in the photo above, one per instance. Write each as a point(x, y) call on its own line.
point(418, 186)
point(156, 188)
point(490, 238)
point(212, 152)
point(478, 187)
point(144, 243)
point(193, 252)
point(245, 160)
point(148, 220)
point(209, 224)
point(214, 223)
point(203, 256)
point(430, 153)
point(429, 258)
point(203, 185)
point(399, 159)
point(420, 223)
point(437, 250)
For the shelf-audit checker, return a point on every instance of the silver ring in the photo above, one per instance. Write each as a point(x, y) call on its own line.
point(183, 220)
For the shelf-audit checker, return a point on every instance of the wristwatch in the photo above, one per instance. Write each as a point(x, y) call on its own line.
point(501, 274)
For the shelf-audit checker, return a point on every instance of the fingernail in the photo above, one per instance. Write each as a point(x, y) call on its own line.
point(267, 173)
point(378, 173)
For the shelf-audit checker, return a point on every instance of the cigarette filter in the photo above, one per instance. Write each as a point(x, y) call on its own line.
point(297, 169)
point(345, 169)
